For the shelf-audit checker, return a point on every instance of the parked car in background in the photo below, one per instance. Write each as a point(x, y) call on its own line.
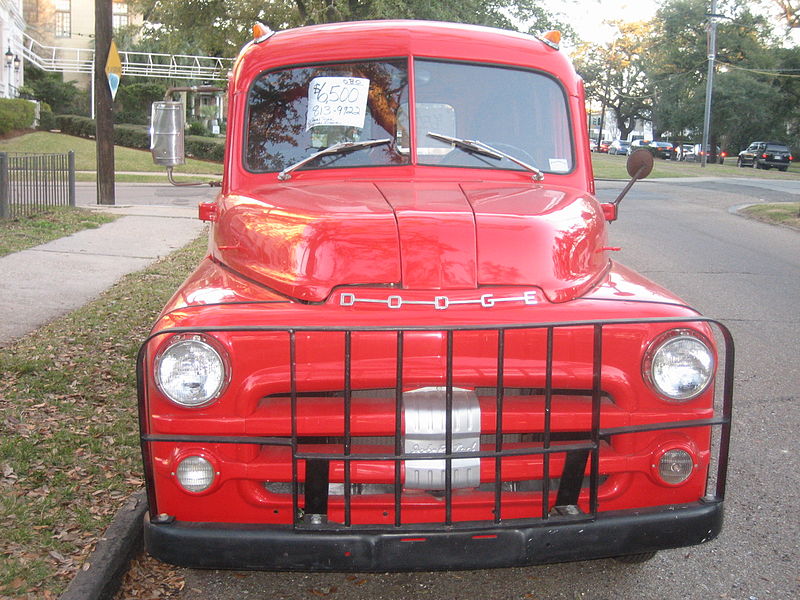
point(765, 155)
point(661, 149)
point(619, 147)
point(715, 155)
point(604, 146)
point(592, 145)
point(636, 144)
point(682, 150)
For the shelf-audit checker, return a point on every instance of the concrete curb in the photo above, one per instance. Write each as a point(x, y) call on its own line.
point(109, 561)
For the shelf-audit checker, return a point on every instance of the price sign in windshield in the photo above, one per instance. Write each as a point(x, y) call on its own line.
point(337, 101)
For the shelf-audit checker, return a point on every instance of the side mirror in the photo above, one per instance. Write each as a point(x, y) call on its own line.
point(639, 166)
point(166, 134)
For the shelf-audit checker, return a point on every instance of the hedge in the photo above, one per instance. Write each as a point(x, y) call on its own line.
point(138, 136)
point(204, 147)
point(16, 114)
point(47, 119)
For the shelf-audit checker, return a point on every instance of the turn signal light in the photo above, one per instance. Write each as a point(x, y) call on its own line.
point(675, 466)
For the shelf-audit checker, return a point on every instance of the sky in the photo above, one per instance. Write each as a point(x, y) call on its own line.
point(587, 16)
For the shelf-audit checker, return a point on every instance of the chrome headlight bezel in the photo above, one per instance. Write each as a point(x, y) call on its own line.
point(205, 348)
point(695, 347)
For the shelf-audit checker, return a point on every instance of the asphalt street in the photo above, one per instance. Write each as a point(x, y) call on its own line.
point(683, 235)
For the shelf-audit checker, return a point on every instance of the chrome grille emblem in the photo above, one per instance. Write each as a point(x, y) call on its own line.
point(438, 302)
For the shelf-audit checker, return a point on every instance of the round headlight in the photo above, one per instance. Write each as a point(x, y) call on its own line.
point(190, 371)
point(679, 365)
point(195, 474)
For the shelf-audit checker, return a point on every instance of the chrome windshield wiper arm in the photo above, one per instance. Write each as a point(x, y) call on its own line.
point(479, 147)
point(468, 145)
point(340, 148)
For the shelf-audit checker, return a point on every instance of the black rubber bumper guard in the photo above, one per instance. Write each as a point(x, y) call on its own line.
point(225, 546)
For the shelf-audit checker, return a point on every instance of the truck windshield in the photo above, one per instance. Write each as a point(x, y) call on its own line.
point(519, 112)
point(294, 113)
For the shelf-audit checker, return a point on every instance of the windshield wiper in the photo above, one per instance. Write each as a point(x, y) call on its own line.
point(479, 147)
point(340, 148)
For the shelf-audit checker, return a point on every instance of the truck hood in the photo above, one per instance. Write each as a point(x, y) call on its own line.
point(304, 239)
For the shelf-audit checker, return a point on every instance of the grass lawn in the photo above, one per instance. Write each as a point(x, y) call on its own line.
point(125, 159)
point(27, 232)
point(69, 446)
point(784, 213)
point(607, 166)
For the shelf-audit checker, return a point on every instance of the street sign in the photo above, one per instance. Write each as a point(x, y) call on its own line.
point(113, 69)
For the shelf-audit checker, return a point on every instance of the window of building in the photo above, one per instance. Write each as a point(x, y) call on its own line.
point(119, 14)
point(63, 21)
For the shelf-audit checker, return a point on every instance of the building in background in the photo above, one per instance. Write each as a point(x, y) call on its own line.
point(69, 24)
point(12, 26)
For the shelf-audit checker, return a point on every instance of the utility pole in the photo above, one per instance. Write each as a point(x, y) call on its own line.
point(712, 55)
point(103, 113)
point(602, 114)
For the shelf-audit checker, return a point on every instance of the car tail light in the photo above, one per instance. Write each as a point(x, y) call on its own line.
point(791, 157)
point(764, 155)
point(723, 154)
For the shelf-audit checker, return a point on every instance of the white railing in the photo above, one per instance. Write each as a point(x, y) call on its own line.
point(137, 64)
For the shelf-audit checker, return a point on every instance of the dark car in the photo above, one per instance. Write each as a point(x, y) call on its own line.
point(765, 155)
point(715, 155)
point(619, 147)
point(661, 149)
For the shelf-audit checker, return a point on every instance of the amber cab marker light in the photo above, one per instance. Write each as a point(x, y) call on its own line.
point(552, 38)
point(261, 32)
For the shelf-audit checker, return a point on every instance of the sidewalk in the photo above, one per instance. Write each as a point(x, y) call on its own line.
point(45, 282)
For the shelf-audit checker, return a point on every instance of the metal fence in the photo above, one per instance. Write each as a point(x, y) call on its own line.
point(32, 183)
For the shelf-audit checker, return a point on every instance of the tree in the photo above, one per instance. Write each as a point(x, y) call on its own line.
point(614, 75)
point(62, 96)
point(677, 65)
point(221, 27)
point(788, 11)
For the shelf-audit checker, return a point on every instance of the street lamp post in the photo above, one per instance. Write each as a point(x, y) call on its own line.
point(9, 55)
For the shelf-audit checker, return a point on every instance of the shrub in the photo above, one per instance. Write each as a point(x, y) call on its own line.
point(16, 114)
point(205, 148)
point(197, 128)
point(63, 97)
point(135, 99)
point(132, 136)
point(47, 119)
point(76, 125)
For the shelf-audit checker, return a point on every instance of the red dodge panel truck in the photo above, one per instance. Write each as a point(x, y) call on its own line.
point(408, 347)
